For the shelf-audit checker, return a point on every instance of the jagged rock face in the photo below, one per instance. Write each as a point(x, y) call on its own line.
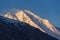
point(20, 31)
point(28, 17)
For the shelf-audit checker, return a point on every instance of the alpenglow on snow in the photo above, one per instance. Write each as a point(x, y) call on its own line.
point(28, 17)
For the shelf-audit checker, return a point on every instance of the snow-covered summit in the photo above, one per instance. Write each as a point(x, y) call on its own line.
point(28, 17)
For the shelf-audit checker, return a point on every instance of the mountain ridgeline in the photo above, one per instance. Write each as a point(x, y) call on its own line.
point(35, 22)
point(17, 30)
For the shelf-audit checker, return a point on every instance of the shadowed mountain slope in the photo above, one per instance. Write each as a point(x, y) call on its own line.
point(17, 30)
point(30, 18)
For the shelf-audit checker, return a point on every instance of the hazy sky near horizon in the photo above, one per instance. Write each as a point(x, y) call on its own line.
point(49, 9)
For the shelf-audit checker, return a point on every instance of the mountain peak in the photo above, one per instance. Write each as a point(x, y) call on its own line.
point(28, 17)
point(20, 31)
point(9, 15)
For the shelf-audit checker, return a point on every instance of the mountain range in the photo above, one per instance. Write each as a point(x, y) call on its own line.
point(27, 17)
